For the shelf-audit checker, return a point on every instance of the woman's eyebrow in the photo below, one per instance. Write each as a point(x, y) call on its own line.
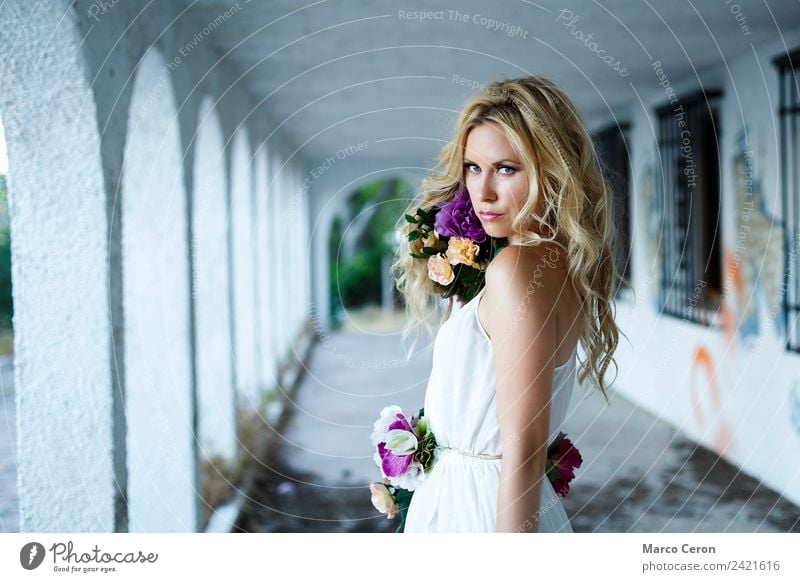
point(467, 161)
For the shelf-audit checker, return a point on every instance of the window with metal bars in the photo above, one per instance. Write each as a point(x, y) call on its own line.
point(688, 191)
point(789, 122)
point(612, 149)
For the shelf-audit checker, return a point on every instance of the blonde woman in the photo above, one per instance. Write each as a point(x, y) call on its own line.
point(505, 364)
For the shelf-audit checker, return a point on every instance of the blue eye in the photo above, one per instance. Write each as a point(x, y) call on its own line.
point(468, 166)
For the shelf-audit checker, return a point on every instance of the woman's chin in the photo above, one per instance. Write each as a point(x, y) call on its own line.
point(494, 232)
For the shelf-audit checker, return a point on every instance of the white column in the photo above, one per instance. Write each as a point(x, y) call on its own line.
point(320, 266)
point(242, 231)
point(264, 271)
point(294, 254)
point(280, 233)
point(302, 253)
point(70, 423)
point(216, 403)
point(162, 468)
point(305, 280)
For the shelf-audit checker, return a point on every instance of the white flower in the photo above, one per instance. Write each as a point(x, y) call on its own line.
point(411, 479)
point(381, 426)
point(401, 442)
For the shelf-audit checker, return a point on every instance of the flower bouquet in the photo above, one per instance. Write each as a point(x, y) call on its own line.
point(451, 239)
point(405, 454)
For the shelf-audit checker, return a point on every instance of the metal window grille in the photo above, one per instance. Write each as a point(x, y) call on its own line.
point(688, 190)
point(788, 117)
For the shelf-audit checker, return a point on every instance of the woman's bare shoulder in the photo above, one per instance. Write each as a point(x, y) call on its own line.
point(517, 265)
point(533, 280)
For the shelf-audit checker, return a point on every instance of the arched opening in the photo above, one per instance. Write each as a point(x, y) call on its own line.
point(360, 249)
point(9, 510)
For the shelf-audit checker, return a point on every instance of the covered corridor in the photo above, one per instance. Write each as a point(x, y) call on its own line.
point(178, 170)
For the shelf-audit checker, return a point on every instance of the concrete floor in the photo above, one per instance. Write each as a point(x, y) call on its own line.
point(639, 474)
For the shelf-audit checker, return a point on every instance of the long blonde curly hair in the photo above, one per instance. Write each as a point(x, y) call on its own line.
point(548, 134)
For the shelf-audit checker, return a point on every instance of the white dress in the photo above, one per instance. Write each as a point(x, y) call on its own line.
point(460, 492)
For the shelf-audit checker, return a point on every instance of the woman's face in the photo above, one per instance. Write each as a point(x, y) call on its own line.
point(495, 178)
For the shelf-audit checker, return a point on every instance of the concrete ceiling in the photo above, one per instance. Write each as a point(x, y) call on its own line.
point(339, 72)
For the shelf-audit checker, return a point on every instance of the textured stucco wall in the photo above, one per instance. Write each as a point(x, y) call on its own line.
point(60, 262)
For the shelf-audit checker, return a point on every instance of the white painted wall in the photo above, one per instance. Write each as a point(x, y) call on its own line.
point(735, 389)
point(158, 359)
point(217, 420)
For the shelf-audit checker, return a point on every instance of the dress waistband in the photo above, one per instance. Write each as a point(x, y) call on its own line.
point(468, 454)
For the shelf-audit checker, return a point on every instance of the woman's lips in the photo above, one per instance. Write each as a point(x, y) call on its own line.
point(489, 216)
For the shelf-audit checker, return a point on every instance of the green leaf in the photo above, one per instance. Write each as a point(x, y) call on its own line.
point(413, 235)
point(410, 219)
point(403, 499)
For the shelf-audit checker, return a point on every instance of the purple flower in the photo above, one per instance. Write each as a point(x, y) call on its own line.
point(393, 465)
point(457, 218)
point(400, 423)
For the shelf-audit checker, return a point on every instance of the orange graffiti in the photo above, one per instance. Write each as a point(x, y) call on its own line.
point(702, 364)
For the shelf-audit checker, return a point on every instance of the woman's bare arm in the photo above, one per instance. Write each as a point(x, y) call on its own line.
point(524, 284)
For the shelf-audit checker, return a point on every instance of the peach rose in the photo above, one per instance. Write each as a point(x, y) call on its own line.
point(382, 500)
point(462, 250)
point(439, 270)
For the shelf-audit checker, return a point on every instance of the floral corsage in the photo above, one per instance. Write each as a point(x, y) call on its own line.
point(451, 239)
point(405, 454)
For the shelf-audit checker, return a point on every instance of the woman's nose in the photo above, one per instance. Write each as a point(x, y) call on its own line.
point(486, 189)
